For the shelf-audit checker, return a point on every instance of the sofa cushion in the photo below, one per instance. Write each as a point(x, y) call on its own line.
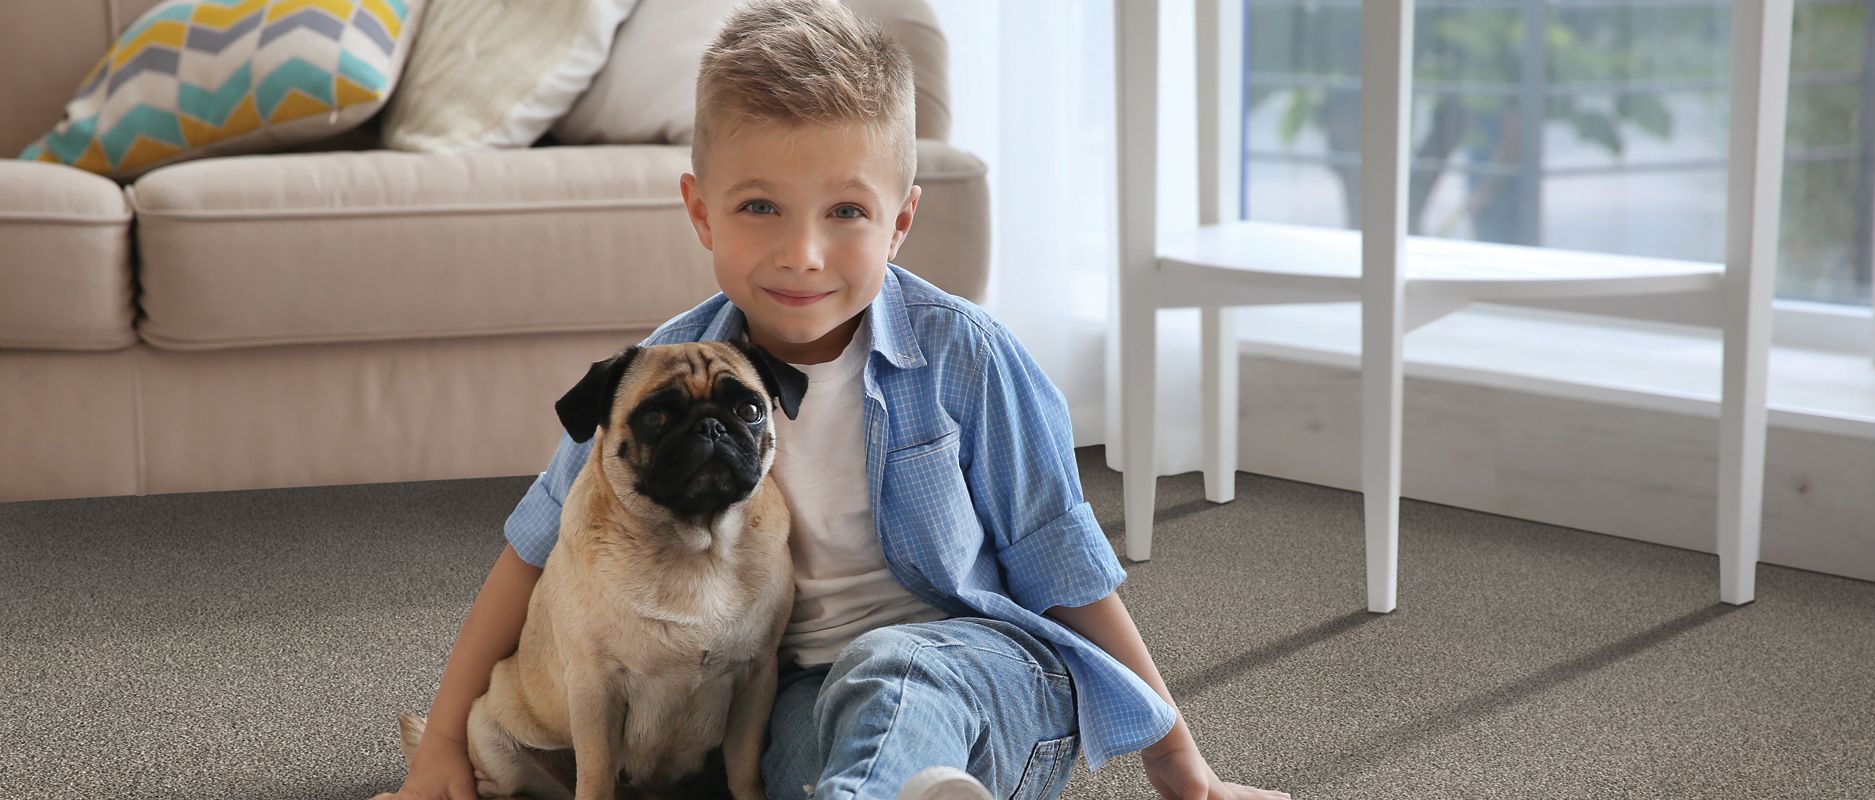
point(64, 260)
point(360, 246)
point(55, 44)
point(353, 246)
point(646, 93)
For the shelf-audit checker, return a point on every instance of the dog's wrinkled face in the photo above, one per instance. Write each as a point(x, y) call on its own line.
point(686, 426)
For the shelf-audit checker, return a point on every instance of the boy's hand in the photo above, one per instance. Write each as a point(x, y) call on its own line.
point(1182, 774)
point(441, 772)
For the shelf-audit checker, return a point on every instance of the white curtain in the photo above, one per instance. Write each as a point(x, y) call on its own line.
point(1032, 95)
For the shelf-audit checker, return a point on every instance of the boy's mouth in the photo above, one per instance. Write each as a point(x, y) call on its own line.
point(791, 299)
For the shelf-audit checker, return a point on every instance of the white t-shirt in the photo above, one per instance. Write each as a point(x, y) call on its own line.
point(842, 587)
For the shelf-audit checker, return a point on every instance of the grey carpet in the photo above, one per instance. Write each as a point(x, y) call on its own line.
point(258, 645)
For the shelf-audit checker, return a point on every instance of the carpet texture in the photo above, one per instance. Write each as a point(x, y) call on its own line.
point(259, 645)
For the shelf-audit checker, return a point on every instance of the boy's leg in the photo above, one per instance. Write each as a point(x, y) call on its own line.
point(976, 694)
point(792, 762)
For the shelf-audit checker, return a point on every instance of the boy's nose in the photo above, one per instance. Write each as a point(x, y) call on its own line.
point(801, 252)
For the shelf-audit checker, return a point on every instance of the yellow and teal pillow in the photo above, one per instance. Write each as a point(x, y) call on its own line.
point(196, 78)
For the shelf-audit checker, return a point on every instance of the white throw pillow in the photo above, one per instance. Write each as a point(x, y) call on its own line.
point(647, 93)
point(487, 75)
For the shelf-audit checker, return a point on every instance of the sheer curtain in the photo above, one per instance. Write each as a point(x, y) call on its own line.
point(1032, 95)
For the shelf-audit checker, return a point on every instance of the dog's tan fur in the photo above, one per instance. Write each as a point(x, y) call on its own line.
point(649, 641)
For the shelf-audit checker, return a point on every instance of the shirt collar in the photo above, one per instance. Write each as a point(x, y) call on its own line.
point(888, 321)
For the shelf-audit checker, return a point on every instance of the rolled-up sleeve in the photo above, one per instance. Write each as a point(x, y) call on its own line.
point(1026, 485)
point(1060, 564)
point(534, 526)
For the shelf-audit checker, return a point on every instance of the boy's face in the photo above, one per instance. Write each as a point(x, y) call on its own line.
point(800, 222)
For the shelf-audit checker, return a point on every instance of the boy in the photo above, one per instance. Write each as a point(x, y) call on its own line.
point(955, 630)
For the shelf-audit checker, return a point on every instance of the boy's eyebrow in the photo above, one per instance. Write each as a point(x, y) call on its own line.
point(758, 183)
point(852, 183)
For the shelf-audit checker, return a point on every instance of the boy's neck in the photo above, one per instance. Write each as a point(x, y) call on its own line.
point(819, 351)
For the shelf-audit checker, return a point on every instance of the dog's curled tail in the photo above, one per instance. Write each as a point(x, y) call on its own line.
point(409, 733)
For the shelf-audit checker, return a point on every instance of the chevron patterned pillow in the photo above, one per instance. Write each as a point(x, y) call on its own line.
point(196, 78)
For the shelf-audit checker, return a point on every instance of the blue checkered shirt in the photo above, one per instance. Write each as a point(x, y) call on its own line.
point(975, 493)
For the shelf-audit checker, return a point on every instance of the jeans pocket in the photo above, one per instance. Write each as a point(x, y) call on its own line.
point(1050, 765)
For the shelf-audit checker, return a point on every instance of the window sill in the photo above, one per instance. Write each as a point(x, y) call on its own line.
point(1635, 364)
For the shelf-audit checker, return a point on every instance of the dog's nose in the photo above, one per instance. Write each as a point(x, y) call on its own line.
point(711, 428)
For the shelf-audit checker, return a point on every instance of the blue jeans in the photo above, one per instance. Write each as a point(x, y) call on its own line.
point(977, 694)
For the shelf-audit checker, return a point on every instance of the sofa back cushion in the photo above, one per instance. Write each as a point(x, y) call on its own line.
point(646, 93)
point(489, 75)
point(46, 49)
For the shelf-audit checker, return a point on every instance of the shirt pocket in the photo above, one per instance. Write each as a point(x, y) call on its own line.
point(924, 493)
point(938, 441)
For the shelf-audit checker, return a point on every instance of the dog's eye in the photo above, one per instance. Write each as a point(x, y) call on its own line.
point(653, 419)
point(749, 412)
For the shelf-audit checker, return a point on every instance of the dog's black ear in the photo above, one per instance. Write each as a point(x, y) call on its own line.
point(586, 405)
point(783, 382)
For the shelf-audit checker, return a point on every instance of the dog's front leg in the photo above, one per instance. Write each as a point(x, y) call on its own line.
point(747, 727)
point(595, 709)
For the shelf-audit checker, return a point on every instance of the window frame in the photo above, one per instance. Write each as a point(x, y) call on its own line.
point(1837, 327)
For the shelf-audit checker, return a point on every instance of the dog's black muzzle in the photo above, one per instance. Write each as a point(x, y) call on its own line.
point(705, 467)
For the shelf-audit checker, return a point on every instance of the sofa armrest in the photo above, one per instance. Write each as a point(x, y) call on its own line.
point(949, 244)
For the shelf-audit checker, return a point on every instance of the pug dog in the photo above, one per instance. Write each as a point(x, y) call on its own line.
point(651, 635)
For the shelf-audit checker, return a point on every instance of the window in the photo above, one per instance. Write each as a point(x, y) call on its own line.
point(1609, 135)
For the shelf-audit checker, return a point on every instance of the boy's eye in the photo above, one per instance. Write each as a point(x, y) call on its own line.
point(759, 207)
point(850, 212)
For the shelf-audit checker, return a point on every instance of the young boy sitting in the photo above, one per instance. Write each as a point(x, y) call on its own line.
point(955, 630)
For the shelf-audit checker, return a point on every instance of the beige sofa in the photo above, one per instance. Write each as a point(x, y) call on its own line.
point(348, 316)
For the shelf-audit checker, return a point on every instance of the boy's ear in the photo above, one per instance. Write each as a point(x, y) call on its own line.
point(694, 208)
point(901, 226)
point(783, 382)
point(586, 405)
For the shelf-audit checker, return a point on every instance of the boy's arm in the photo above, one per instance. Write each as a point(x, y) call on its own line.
point(1173, 764)
point(1106, 623)
point(491, 633)
point(493, 628)
point(1019, 465)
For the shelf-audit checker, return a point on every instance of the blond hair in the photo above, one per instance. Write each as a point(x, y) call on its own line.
point(801, 62)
